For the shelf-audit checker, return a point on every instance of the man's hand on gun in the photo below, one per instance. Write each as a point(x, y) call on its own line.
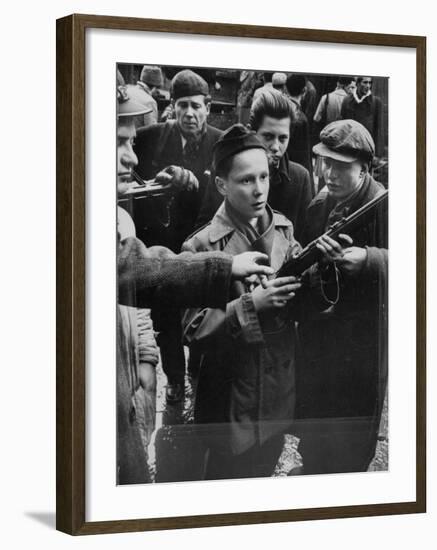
point(349, 259)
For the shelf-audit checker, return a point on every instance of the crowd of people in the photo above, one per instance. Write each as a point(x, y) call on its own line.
point(197, 264)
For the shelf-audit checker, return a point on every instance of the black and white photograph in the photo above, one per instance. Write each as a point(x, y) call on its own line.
point(252, 273)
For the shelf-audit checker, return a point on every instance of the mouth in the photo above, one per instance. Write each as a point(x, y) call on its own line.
point(258, 205)
point(333, 188)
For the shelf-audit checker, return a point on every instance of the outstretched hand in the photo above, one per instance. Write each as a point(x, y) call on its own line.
point(250, 263)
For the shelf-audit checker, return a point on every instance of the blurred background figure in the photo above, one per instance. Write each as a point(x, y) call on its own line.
point(364, 107)
point(267, 86)
point(329, 107)
point(299, 148)
point(145, 92)
point(278, 82)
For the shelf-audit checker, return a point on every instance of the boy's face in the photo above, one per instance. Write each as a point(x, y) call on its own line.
point(247, 184)
point(342, 178)
point(274, 134)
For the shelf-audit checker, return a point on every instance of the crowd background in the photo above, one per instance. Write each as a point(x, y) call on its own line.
point(232, 93)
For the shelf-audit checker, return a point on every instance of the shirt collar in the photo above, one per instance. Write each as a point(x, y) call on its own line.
point(221, 224)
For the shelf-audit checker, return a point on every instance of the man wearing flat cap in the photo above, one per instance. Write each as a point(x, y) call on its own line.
point(185, 142)
point(342, 373)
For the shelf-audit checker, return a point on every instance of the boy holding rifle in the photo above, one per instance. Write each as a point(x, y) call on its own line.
point(342, 372)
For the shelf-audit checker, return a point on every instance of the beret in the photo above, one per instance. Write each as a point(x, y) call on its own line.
point(151, 75)
point(234, 140)
point(346, 141)
point(186, 83)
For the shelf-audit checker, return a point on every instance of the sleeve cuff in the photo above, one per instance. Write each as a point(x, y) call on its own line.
point(243, 320)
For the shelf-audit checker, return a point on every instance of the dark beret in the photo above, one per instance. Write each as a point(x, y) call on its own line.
point(186, 83)
point(234, 140)
point(345, 140)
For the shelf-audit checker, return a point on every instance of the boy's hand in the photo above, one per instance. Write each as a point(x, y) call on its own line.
point(276, 293)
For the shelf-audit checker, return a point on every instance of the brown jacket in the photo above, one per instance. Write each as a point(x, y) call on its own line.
point(246, 383)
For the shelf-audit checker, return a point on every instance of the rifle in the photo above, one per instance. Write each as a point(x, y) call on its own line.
point(147, 189)
point(311, 254)
point(140, 190)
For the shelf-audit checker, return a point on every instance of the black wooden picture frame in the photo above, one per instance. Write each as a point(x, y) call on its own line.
point(71, 253)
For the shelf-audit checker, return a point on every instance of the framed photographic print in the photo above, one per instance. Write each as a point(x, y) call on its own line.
point(241, 274)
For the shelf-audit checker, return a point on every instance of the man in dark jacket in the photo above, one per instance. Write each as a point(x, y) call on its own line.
point(290, 188)
point(342, 375)
point(366, 108)
point(299, 148)
point(186, 142)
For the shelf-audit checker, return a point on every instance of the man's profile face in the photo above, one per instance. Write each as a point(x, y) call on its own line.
point(364, 85)
point(247, 184)
point(126, 158)
point(274, 134)
point(191, 114)
point(341, 178)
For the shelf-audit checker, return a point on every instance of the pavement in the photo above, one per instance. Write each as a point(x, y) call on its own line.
point(175, 453)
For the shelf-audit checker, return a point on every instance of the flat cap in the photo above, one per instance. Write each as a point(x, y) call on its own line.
point(346, 141)
point(151, 75)
point(235, 140)
point(186, 83)
point(126, 104)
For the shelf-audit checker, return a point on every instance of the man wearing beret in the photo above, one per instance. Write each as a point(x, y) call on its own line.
point(185, 142)
point(290, 186)
point(342, 375)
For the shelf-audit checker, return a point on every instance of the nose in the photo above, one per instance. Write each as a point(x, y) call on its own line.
point(189, 112)
point(328, 173)
point(274, 146)
point(258, 188)
point(128, 157)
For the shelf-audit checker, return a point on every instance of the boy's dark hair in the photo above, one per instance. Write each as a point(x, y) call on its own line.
point(346, 80)
point(295, 84)
point(270, 103)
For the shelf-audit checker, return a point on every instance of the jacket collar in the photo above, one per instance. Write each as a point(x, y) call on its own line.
point(283, 171)
point(221, 225)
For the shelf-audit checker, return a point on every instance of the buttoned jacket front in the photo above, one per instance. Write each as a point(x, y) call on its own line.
point(246, 385)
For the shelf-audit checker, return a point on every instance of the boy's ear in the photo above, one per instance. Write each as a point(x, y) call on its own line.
point(221, 185)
